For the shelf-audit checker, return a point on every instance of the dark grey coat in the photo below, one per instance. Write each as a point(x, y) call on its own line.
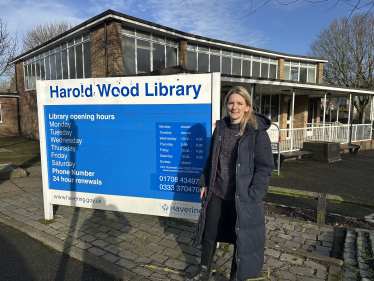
point(254, 166)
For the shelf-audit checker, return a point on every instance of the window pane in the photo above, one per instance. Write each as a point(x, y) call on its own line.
point(33, 78)
point(311, 75)
point(53, 67)
point(28, 74)
point(79, 61)
point(143, 56)
point(47, 69)
point(274, 108)
point(128, 30)
point(203, 62)
point(42, 70)
point(171, 56)
point(303, 64)
point(294, 74)
point(171, 41)
point(215, 50)
point(128, 55)
point(303, 73)
point(248, 56)
point(65, 70)
point(255, 69)
point(215, 63)
point(273, 71)
point(72, 63)
point(78, 39)
point(158, 56)
point(158, 38)
point(191, 60)
point(265, 59)
point(58, 66)
point(265, 105)
point(286, 73)
point(87, 59)
point(63, 46)
point(236, 54)
point(256, 57)
point(38, 70)
point(294, 63)
point(143, 34)
point(191, 46)
point(226, 65)
point(236, 67)
point(70, 43)
point(86, 36)
point(264, 70)
point(273, 61)
point(246, 68)
point(226, 52)
point(203, 48)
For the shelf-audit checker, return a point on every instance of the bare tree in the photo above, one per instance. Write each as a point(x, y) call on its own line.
point(8, 47)
point(348, 45)
point(42, 32)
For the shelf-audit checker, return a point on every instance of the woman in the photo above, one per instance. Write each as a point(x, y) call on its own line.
point(233, 183)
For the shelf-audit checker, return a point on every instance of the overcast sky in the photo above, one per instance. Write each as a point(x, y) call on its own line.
point(282, 28)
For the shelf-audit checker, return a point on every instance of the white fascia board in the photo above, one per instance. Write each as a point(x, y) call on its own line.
point(290, 84)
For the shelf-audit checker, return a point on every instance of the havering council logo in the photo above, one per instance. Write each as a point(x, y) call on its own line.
point(180, 209)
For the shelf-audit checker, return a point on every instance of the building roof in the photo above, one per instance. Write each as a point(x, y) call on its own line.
point(139, 23)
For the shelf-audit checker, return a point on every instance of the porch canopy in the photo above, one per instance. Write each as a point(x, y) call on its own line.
point(296, 108)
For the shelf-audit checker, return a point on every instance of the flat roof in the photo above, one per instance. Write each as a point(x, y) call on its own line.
point(153, 27)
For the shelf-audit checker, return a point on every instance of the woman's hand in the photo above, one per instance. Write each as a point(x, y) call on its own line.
point(203, 192)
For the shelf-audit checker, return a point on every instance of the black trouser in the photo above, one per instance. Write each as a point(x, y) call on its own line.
point(218, 213)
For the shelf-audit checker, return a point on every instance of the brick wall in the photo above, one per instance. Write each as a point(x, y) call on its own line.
point(301, 111)
point(9, 124)
point(283, 112)
point(280, 72)
point(28, 109)
point(182, 59)
point(319, 73)
point(97, 51)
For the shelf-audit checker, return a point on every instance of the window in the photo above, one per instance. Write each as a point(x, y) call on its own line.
point(299, 71)
point(145, 52)
point(60, 62)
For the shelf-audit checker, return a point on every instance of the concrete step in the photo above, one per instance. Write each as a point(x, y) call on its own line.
point(358, 255)
point(10, 171)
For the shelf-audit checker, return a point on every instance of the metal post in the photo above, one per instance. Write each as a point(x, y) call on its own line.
point(371, 119)
point(337, 112)
point(324, 118)
point(292, 117)
point(321, 208)
point(351, 118)
point(349, 114)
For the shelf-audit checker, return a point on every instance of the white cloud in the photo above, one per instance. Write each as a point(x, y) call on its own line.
point(218, 19)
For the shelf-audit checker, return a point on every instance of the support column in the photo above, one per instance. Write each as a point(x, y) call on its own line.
point(182, 50)
point(324, 118)
point(292, 117)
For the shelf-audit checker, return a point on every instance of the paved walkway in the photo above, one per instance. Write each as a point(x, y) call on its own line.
point(139, 247)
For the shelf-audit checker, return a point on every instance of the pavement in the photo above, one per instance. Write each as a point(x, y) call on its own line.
point(143, 247)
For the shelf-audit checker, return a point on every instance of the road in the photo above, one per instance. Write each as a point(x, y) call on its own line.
point(23, 258)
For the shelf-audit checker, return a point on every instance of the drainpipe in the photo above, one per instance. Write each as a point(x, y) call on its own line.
point(106, 51)
point(18, 116)
point(324, 118)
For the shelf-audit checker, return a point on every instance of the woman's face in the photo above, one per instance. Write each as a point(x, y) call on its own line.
point(236, 107)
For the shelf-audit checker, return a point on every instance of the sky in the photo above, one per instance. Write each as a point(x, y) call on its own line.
point(282, 28)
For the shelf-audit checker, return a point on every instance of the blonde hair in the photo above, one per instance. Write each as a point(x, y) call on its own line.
point(248, 116)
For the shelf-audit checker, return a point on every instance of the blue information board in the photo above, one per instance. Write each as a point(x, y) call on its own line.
point(138, 154)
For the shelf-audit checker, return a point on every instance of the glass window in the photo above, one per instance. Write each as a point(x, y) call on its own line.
point(274, 108)
point(57, 48)
point(58, 66)
point(226, 52)
point(255, 69)
point(171, 41)
point(236, 54)
point(70, 42)
point(47, 72)
point(203, 63)
point(171, 56)
point(79, 61)
point(52, 51)
point(303, 74)
point(286, 72)
point(215, 50)
point(71, 63)
point(265, 105)
point(33, 83)
point(128, 55)
point(128, 30)
point(264, 70)
point(236, 67)
point(26, 77)
point(143, 34)
point(248, 56)
point(203, 48)
point(215, 63)
point(53, 67)
point(63, 46)
point(303, 64)
point(311, 75)
point(42, 70)
point(287, 62)
point(191, 46)
point(191, 60)
point(246, 68)
point(265, 59)
point(294, 63)
point(158, 38)
point(273, 71)
point(65, 70)
point(273, 61)
point(78, 39)
point(87, 59)
point(158, 56)
point(226, 65)
point(294, 73)
point(256, 57)
point(37, 70)
point(86, 36)
point(143, 56)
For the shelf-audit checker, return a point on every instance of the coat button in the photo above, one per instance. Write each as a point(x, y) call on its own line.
point(237, 196)
point(238, 228)
point(238, 259)
point(238, 165)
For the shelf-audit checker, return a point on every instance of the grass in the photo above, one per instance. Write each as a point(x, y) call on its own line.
point(20, 151)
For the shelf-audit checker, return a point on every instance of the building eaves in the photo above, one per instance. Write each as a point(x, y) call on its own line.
point(107, 14)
